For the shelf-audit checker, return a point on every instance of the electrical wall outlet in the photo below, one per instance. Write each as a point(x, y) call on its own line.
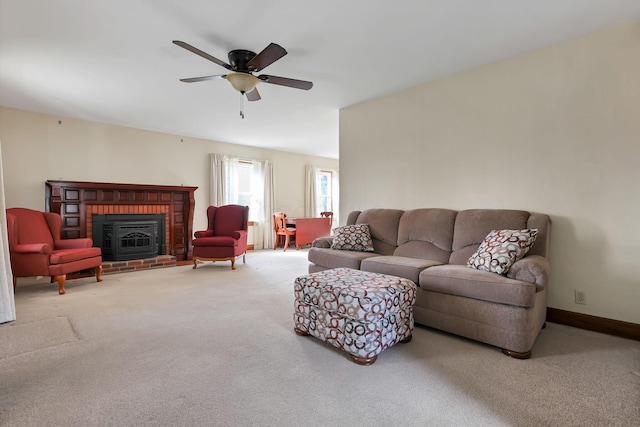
point(581, 297)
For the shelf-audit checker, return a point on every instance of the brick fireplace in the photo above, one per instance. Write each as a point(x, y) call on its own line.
point(77, 202)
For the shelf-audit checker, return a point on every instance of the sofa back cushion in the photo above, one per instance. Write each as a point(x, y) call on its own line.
point(229, 219)
point(473, 225)
point(426, 234)
point(542, 223)
point(383, 226)
point(31, 227)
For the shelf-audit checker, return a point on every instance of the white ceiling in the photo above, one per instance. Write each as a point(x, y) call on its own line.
point(113, 61)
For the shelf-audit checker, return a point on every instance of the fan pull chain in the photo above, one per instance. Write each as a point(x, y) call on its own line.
point(242, 105)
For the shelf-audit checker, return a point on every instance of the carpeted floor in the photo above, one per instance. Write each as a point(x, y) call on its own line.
point(216, 347)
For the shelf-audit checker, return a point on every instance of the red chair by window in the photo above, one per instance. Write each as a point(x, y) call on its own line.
point(328, 215)
point(37, 249)
point(282, 231)
point(225, 238)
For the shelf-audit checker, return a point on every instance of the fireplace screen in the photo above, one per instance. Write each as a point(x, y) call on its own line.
point(129, 236)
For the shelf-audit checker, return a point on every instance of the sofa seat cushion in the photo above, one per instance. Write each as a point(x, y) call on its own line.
point(63, 256)
point(400, 266)
point(215, 241)
point(334, 258)
point(481, 285)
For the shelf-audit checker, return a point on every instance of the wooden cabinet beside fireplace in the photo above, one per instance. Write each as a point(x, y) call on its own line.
point(77, 201)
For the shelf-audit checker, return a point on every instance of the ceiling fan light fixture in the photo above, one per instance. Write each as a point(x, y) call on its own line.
point(243, 82)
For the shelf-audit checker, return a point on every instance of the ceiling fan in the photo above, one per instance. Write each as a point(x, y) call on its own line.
point(242, 64)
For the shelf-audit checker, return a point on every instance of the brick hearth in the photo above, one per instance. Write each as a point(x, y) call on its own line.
point(112, 267)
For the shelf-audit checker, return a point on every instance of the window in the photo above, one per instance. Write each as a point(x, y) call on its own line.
point(249, 183)
point(245, 186)
point(324, 188)
point(321, 192)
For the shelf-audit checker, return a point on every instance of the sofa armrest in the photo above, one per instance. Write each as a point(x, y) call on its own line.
point(531, 269)
point(32, 248)
point(240, 234)
point(322, 242)
point(203, 233)
point(74, 243)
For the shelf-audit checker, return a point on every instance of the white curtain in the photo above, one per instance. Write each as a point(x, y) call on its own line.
point(313, 196)
point(231, 191)
point(310, 192)
point(269, 203)
point(7, 302)
point(335, 197)
point(261, 201)
point(217, 179)
point(225, 173)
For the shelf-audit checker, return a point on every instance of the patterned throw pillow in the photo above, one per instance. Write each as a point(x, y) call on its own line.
point(352, 238)
point(501, 249)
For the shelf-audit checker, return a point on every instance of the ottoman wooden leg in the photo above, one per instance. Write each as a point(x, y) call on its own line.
point(300, 332)
point(406, 340)
point(364, 361)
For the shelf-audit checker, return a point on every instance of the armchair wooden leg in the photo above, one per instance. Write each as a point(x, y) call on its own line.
point(195, 263)
point(233, 263)
point(99, 273)
point(61, 279)
point(244, 258)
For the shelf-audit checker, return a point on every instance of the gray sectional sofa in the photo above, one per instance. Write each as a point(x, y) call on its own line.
point(432, 246)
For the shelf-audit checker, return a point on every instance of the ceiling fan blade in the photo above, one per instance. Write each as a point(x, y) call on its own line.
point(285, 81)
point(203, 54)
point(268, 56)
point(204, 78)
point(253, 95)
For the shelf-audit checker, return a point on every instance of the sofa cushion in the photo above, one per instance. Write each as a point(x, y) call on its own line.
point(501, 248)
point(63, 256)
point(406, 267)
point(470, 283)
point(37, 230)
point(215, 241)
point(473, 225)
point(426, 234)
point(352, 238)
point(331, 258)
point(541, 222)
point(383, 225)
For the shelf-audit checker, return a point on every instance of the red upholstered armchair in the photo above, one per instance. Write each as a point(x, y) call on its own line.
point(225, 237)
point(36, 248)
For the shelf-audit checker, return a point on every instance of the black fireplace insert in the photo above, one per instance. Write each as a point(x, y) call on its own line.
point(125, 237)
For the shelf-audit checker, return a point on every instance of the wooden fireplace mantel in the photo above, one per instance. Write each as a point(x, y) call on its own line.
point(76, 201)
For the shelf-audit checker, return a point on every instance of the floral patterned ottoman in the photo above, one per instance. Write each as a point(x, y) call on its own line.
point(359, 312)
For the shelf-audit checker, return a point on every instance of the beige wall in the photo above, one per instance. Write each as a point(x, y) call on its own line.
point(35, 148)
point(556, 130)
